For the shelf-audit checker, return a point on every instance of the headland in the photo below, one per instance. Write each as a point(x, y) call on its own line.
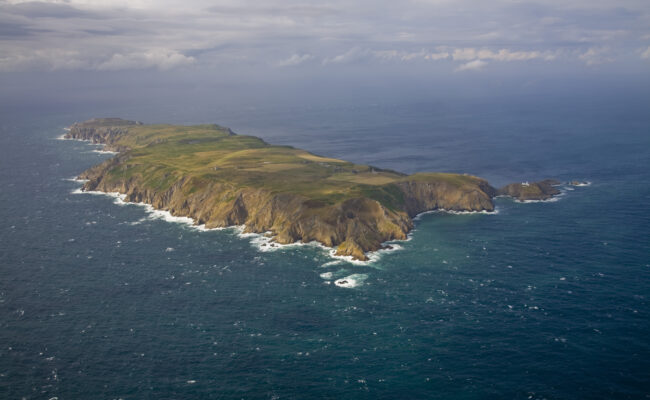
point(220, 179)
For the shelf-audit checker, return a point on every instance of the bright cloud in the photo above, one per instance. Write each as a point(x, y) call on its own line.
point(501, 55)
point(52, 59)
point(167, 34)
point(354, 54)
point(596, 55)
point(645, 54)
point(163, 59)
point(61, 59)
point(472, 66)
point(295, 60)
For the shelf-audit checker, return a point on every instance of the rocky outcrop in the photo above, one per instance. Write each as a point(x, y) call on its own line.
point(420, 196)
point(105, 131)
point(542, 190)
point(354, 227)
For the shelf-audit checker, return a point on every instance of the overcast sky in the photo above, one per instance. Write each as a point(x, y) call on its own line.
point(421, 38)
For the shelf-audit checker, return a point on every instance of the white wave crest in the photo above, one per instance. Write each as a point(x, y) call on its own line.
point(75, 179)
point(581, 184)
point(115, 195)
point(453, 212)
point(553, 199)
point(104, 152)
point(62, 137)
point(203, 228)
point(262, 242)
point(351, 281)
point(327, 275)
point(167, 216)
point(331, 263)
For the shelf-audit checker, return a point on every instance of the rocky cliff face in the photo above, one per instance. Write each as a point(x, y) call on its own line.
point(421, 196)
point(105, 131)
point(359, 220)
point(354, 227)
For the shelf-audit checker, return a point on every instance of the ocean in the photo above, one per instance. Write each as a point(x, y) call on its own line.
point(105, 300)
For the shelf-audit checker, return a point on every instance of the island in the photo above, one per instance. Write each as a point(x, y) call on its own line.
point(534, 191)
point(221, 179)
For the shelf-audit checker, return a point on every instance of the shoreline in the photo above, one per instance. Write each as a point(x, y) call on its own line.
point(264, 242)
point(260, 241)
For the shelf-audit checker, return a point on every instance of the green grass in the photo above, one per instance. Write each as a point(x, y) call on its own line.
point(453, 179)
point(160, 155)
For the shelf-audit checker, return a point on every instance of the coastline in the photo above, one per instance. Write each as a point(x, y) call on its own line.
point(265, 243)
point(260, 241)
point(426, 191)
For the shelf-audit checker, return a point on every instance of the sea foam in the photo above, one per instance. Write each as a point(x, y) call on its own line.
point(331, 263)
point(453, 212)
point(553, 199)
point(104, 151)
point(351, 281)
point(264, 241)
point(582, 184)
point(327, 275)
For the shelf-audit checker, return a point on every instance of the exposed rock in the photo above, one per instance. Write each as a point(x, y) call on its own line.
point(101, 131)
point(359, 220)
point(474, 194)
point(579, 183)
point(542, 190)
point(353, 227)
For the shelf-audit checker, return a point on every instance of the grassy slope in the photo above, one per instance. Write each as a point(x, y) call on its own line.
point(161, 154)
point(222, 179)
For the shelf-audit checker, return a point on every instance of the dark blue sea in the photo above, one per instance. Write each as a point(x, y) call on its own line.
point(100, 300)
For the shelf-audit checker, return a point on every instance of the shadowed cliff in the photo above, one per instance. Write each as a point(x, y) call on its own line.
point(220, 179)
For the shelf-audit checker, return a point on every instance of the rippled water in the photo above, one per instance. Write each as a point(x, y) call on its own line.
point(545, 300)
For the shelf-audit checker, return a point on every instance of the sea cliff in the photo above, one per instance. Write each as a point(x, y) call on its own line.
point(220, 179)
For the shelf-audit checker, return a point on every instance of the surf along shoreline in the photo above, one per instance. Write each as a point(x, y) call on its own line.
point(424, 193)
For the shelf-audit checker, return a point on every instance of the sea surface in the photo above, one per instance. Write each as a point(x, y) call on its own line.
point(105, 300)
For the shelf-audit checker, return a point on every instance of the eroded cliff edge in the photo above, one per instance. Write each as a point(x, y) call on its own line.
point(220, 179)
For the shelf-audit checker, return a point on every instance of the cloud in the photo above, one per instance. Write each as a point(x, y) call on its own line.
point(96, 4)
point(596, 56)
point(42, 9)
point(52, 59)
point(474, 59)
point(423, 54)
point(120, 34)
point(472, 66)
point(437, 56)
point(354, 54)
point(15, 30)
point(645, 54)
point(501, 55)
point(295, 60)
point(163, 59)
point(62, 59)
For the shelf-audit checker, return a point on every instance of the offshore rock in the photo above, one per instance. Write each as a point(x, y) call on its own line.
point(542, 190)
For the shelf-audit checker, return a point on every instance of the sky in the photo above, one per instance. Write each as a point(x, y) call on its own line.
point(440, 45)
